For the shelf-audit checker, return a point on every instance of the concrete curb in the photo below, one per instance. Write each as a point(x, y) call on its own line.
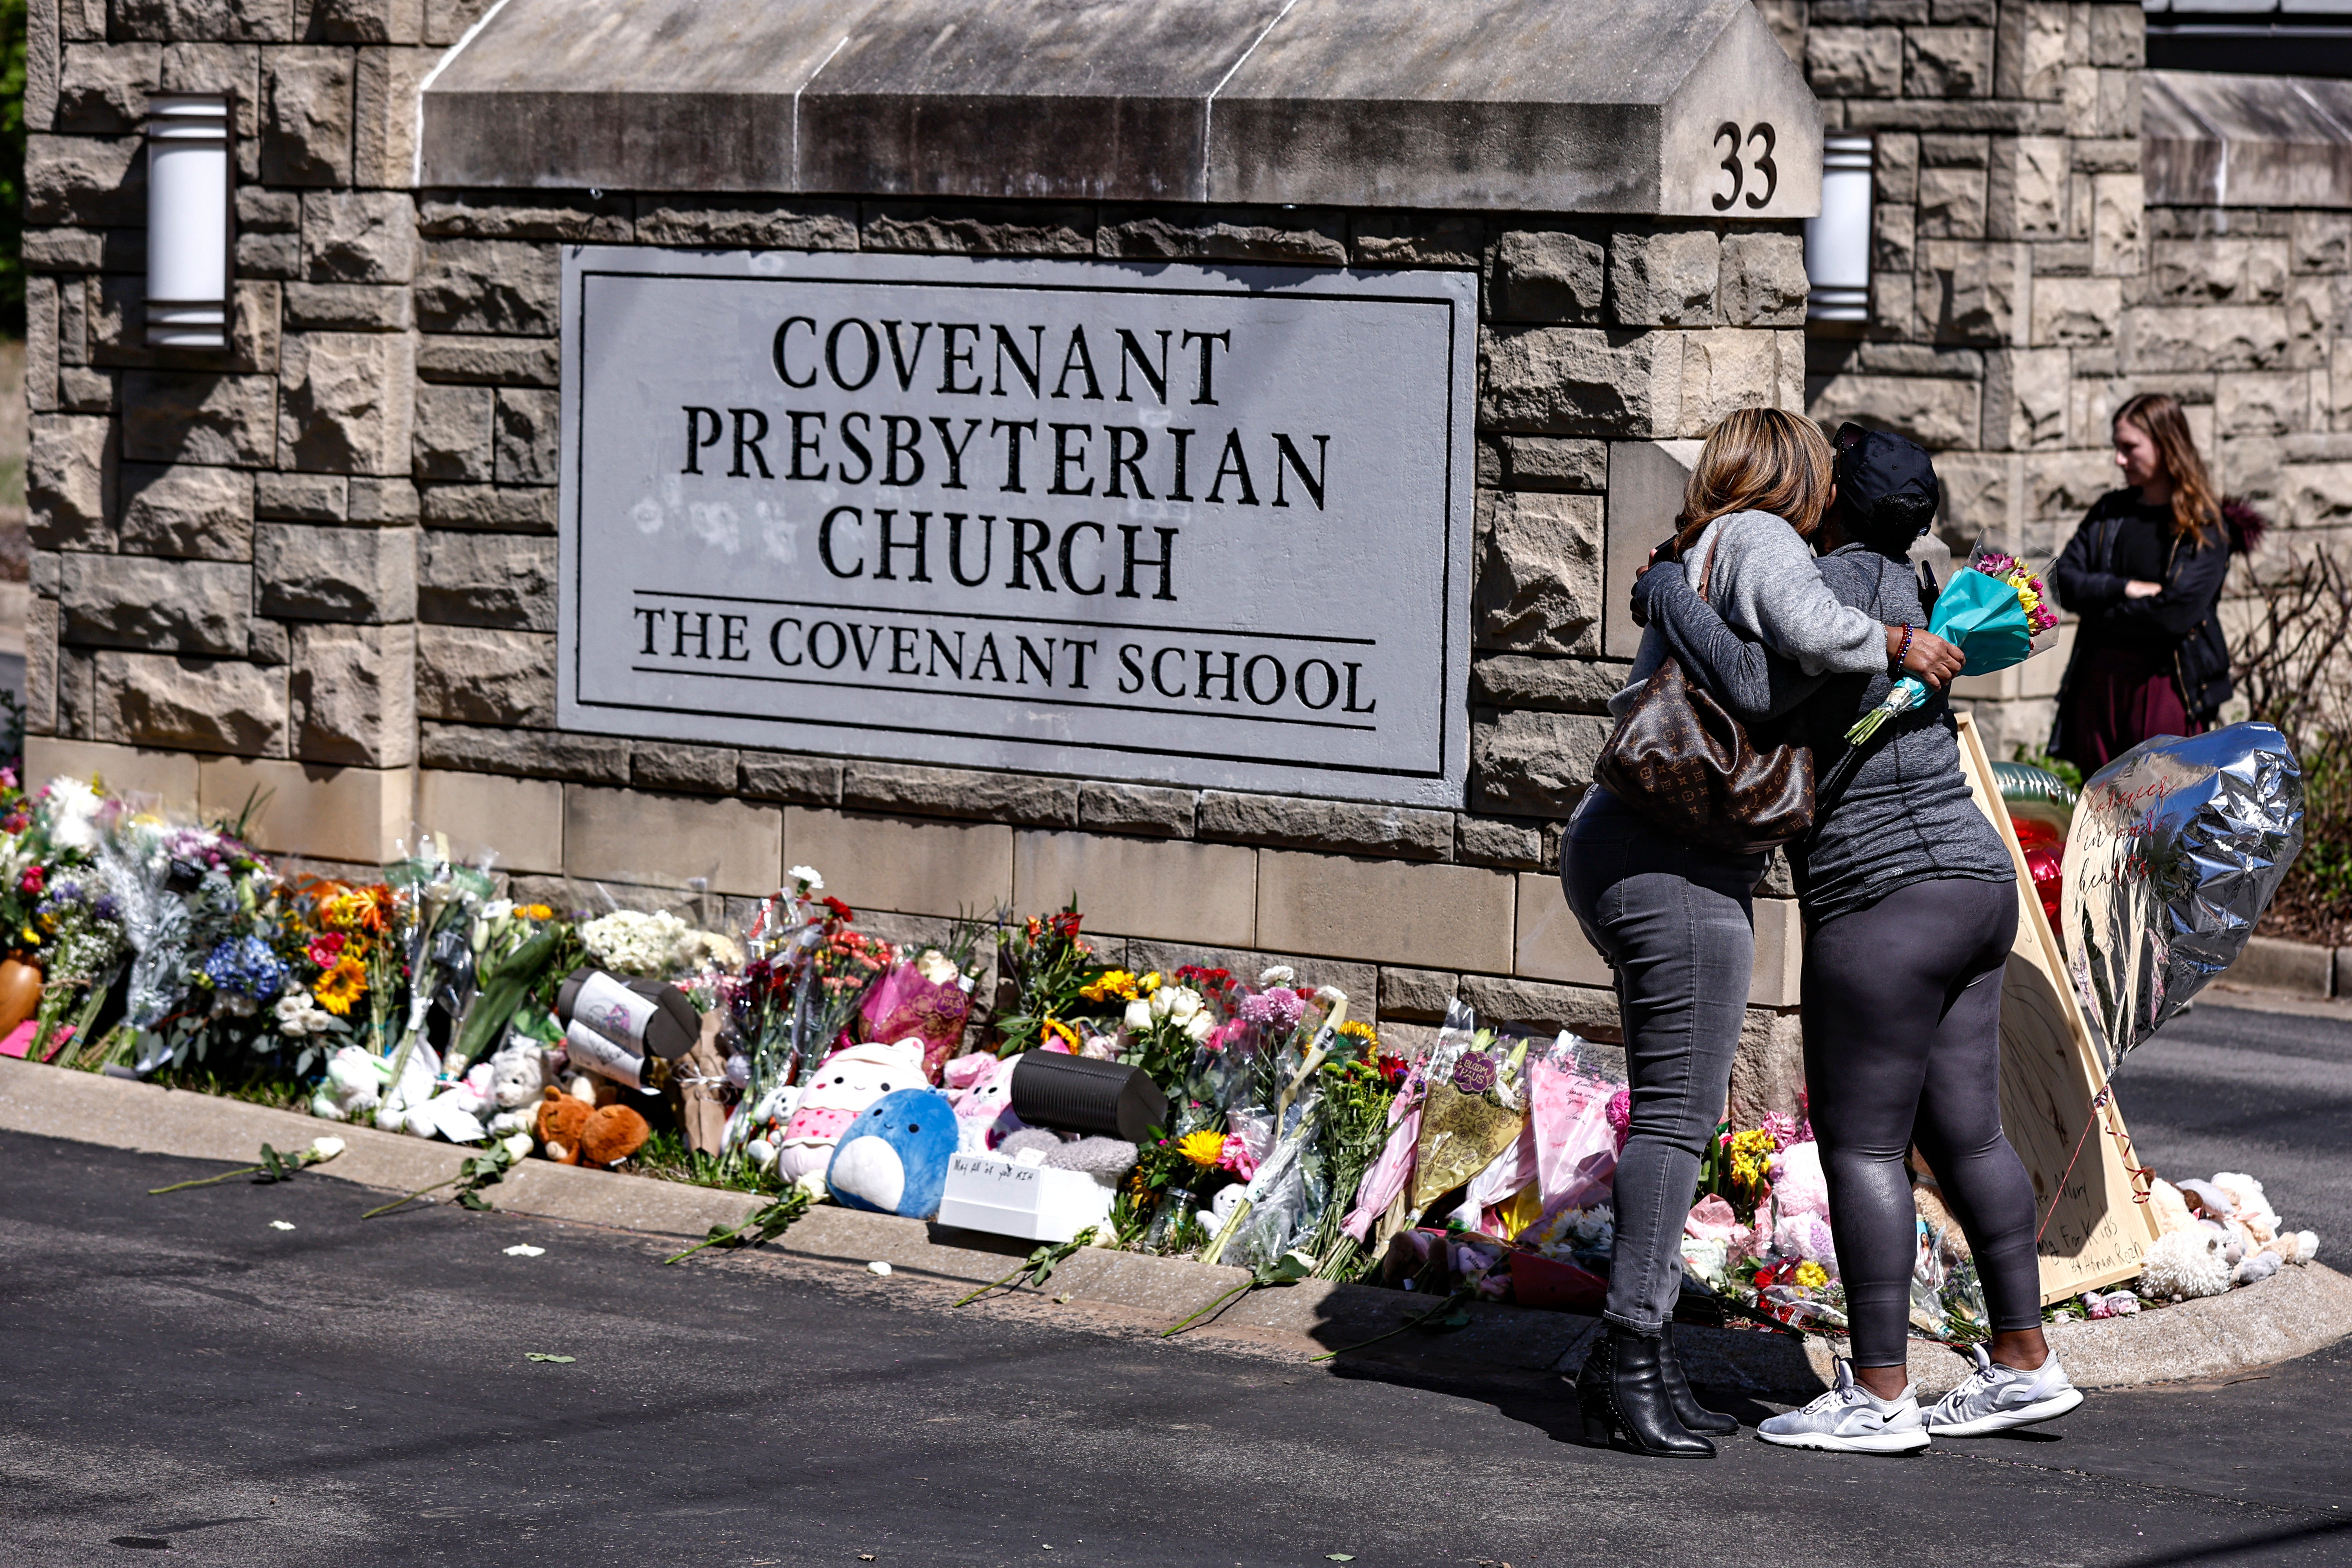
point(2294, 1314)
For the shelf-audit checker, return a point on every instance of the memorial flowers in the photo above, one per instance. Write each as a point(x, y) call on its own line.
point(1994, 610)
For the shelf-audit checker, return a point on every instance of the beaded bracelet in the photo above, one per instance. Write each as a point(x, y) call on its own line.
point(1904, 651)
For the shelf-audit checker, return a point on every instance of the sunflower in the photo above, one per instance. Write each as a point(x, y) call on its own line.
point(339, 987)
point(1203, 1148)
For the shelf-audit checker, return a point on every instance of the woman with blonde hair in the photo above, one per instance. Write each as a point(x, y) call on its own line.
point(2144, 573)
point(1673, 919)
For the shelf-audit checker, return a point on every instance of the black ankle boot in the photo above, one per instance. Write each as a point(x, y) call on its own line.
point(1695, 1416)
point(1623, 1390)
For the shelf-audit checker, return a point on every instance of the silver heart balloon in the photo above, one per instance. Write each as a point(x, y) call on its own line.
point(2177, 847)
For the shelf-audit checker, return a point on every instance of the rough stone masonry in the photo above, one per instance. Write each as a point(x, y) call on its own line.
point(322, 561)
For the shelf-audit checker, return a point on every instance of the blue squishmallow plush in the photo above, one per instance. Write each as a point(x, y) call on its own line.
point(893, 1159)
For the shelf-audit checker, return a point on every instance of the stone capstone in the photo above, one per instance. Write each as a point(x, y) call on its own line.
point(1517, 105)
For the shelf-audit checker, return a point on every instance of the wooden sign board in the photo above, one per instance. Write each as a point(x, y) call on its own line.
point(2049, 1078)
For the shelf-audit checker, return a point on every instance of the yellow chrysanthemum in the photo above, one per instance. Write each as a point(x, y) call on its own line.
point(1811, 1275)
point(1115, 983)
point(1202, 1148)
point(338, 987)
point(1751, 1157)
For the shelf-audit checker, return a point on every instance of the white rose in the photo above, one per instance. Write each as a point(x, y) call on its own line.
point(1200, 1025)
point(325, 1149)
point(1280, 974)
point(807, 873)
point(1139, 1017)
point(1330, 995)
point(1184, 1002)
point(935, 967)
point(1163, 1000)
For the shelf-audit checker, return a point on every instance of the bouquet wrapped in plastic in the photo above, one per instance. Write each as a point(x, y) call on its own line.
point(1994, 610)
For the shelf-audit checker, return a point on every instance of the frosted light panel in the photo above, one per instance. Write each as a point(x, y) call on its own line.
point(188, 187)
point(1837, 243)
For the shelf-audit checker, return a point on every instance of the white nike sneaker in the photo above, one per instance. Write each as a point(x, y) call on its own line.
point(1851, 1419)
point(1995, 1398)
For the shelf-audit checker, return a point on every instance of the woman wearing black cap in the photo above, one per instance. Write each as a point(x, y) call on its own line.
point(1910, 903)
point(1676, 919)
point(2144, 573)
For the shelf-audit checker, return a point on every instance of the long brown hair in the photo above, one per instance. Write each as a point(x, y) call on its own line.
point(2196, 509)
point(1759, 459)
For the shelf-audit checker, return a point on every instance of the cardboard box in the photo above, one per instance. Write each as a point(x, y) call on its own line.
point(1002, 1198)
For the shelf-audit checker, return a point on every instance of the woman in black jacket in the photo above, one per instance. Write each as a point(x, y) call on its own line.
point(2144, 573)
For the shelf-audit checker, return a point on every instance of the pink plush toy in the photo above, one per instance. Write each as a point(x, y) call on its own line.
point(981, 1085)
point(1800, 1198)
point(849, 1080)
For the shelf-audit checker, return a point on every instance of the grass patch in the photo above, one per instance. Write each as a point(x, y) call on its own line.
point(666, 1156)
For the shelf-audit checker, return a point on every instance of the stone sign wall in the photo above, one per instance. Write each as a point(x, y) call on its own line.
point(1164, 523)
point(326, 562)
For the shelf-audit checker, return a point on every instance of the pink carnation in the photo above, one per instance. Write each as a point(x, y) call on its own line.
point(1237, 1160)
point(1621, 1116)
point(1282, 1009)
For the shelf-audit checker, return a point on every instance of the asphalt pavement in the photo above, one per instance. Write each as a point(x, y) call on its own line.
point(2226, 1088)
point(255, 1376)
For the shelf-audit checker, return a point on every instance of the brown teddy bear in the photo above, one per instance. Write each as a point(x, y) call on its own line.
point(575, 1132)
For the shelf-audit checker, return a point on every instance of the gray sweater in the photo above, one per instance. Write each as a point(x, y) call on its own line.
point(1766, 582)
point(1906, 815)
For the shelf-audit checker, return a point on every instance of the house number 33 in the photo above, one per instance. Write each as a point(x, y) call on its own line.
point(1728, 135)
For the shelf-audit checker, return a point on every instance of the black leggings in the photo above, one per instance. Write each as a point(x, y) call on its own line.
point(1903, 1046)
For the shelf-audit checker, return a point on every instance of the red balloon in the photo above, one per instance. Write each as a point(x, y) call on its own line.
point(2046, 865)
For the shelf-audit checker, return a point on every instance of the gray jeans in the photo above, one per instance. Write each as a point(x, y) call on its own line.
point(1677, 924)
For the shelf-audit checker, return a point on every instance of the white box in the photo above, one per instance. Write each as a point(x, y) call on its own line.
point(1002, 1198)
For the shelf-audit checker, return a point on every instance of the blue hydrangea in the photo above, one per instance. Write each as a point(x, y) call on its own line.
point(246, 965)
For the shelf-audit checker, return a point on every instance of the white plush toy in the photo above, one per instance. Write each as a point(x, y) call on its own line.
point(353, 1086)
point(2185, 1264)
point(2249, 1207)
point(520, 1074)
point(847, 1082)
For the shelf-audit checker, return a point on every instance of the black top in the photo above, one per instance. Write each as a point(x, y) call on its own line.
point(2121, 540)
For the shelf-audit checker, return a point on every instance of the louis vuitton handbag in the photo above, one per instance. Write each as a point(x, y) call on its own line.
point(1681, 759)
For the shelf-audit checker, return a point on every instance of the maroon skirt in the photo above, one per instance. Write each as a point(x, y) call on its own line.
point(2119, 698)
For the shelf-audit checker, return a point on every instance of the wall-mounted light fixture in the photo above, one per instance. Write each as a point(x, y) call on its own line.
point(190, 181)
point(1837, 243)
